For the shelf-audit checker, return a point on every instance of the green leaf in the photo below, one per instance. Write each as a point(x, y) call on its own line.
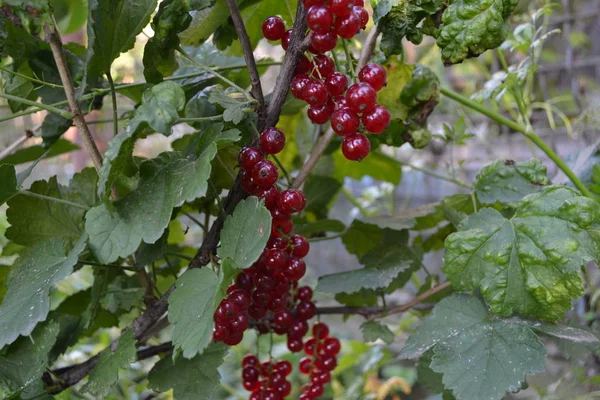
point(19, 86)
point(36, 271)
point(159, 111)
point(234, 109)
point(427, 215)
point(32, 153)
point(470, 27)
point(204, 23)
point(530, 263)
point(166, 182)
point(389, 96)
point(122, 293)
point(374, 330)
point(364, 278)
point(505, 181)
point(8, 183)
point(106, 373)
point(191, 308)
point(457, 207)
point(195, 379)
point(320, 191)
point(563, 332)
point(115, 25)
point(24, 362)
point(360, 238)
point(320, 226)
point(480, 357)
point(53, 127)
point(421, 93)
point(34, 220)
point(245, 232)
point(376, 165)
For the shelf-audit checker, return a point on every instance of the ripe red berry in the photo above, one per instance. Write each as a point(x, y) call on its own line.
point(326, 363)
point(322, 66)
point(310, 346)
point(316, 390)
point(295, 269)
point(356, 147)
point(362, 14)
point(291, 201)
point(359, 3)
point(320, 330)
point(309, 3)
point(336, 83)
point(264, 174)
point(348, 26)
point(294, 345)
point(250, 359)
point(322, 42)
point(284, 367)
point(272, 140)
point(298, 329)
point(315, 93)
point(285, 40)
point(304, 293)
point(244, 282)
point(342, 8)
point(340, 102)
point(226, 312)
point(276, 242)
point(376, 120)
point(281, 226)
point(278, 304)
point(257, 312)
point(344, 121)
point(276, 259)
point(285, 389)
point(305, 365)
point(250, 373)
point(269, 196)
point(220, 333)
point(248, 157)
point(319, 18)
point(305, 310)
point(240, 298)
point(298, 84)
point(361, 97)
point(273, 28)
point(374, 75)
point(332, 346)
point(300, 246)
point(303, 66)
point(263, 283)
point(283, 318)
point(319, 115)
point(234, 339)
point(248, 184)
point(251, 386)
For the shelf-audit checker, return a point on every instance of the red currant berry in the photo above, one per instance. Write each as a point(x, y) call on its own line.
point(264, 283)
point(326, 363)
point(356, 147)
point(244, 282)
point(319, 115)
point(344, 121)
point(261, 299)
point(362, 14)
point(240, 324)
point(251, 386)
point(361, 97)
point(319, 18)
point(276, 242)
point(284, 389)
point(226, 312)
point(305, 365)
point(303, 66)
point(320, 330)
point(272, 140)
point(285, 40)
point(278, 304)
point(284, 367)
point(262, 328)
point(376, 120)
point(248, 184)
point(332, 346)
point(374, 75)
point(276, 259)
point(298, 84)
point(283, 318)
point(316, 390)
point(281, 226)
point(240, 298)
point(359, 3)
point(234, 338)
point(273, 28)
point(310, 346)
point(315, 93)
point(341, 8)
point(336, 83)
point(298, 329)
point(282, 287)
point(348, 26)
point(291, 201)
point(250, 373)
point(322, 66)
point(220, 333)
point(269, 196)
point(295, 269)
point(250, 359)
point(323, 378)
point(305, 310)
point(264, 174)
point(257, 312)
point(304, 293)
point(294, 345)
point(300, 246)
point(340, 102)
point(271, 394)
point(322, 42)
point(248, 157)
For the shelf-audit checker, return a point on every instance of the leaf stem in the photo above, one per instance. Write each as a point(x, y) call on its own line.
point(282, 168)
point(42, 106)
point(539, 142)
point(95, 264)
point(29, 78)
point(325, 238)
point(355, 202)
point(200, 119)
point(113, 95)
point(349, 65)
point(439, 176)
point(54, 199)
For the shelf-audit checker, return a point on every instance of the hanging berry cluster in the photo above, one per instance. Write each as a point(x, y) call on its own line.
point(351, 110)
point(266, 381)
point(321, 351)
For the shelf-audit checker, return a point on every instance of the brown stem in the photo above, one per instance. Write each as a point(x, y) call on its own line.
point(53, 39)
point(238, 23)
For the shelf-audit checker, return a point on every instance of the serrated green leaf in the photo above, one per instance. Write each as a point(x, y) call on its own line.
point(195, 379)
point(32, 153)
point(320, 192)
point(24, 362)
point(480, 357)
point(426, 376)
point(374, 330)
point(53, 127)
point(159, 110)
point(470, 27)
point(245, 233)
point(204, 23)
point(122, 293)
point(421, 93)
point(234, 109)
point(8, 183)
point(36, 271)
point(34, 219)
point(505, 181)
point(191, 309)
point(457, 207)
point(529, 263)
point(165, 182)
point(364, 278)
point(106, 373)
point(360, 238)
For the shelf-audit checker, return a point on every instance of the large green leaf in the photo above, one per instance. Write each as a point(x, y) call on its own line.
point(159, 110)
point(480, 357)
point(36, 271)
point(320, 192)
point(204, 23)
point(8, 182)
point(195, 379)
point(32, 153)
point(376, 165)
point(245, 233)
point(106, 373)
point(507, 181)
point(360, 238)
point(529, 263)
point(191, 309)
point(165, 182)
point(364, 278)
point(20, 86)
point(373, 330)
point(470, 27)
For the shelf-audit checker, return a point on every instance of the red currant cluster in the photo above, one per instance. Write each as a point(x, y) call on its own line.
point(321, 351)
point(325, 89)
point(266, 381)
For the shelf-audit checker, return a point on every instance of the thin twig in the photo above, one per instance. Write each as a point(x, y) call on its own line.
point(438, 176)
point(113, 95)
point(16, 144)
point(368, 48)
point(42, 106)
point(29, 78)
point(53, 38)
